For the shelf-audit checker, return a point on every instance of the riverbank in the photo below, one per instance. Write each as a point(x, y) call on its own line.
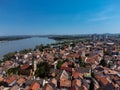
point(17, 45)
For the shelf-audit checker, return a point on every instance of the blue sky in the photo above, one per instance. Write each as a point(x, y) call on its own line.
point(39, 17)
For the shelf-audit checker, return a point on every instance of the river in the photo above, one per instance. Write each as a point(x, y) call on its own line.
point(11, 46)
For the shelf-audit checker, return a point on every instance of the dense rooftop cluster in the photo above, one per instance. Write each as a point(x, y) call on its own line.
point(70, 65)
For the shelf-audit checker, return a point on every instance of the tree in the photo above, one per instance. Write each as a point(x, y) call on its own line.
point(81, 62)
point(43, 69)
point(15, 70)
point(59, 64)
point(8, 56)
point(25, 51)
point(103, 63)
point(107, 53)
point(40, 47)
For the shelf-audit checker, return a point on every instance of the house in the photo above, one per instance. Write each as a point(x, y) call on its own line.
point(76, 82)
point(25, 66)
point(64, 75)
point(26, 69)
point(102, 80)
point(76, 75)
point(83, 88)
point(34, 86)
point(20, 81)
point(11, 80)
point(105, 83)
point(16, 87)
point(65, 64)
point(49, 86)
point(65, 83)
point(54, 81)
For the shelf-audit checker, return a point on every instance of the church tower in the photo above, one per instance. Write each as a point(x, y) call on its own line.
point(34, 64)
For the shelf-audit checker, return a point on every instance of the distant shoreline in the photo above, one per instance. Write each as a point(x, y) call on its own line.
point(12, 38)
point(54, 37)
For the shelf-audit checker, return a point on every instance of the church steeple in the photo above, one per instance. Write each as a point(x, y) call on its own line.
point(34, 64)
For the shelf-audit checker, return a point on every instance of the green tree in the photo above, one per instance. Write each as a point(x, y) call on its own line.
point(15, 70)
point(25, 51)
point(8, 56)
point(43, 69)
point(103, 63)
point(59, 64)
point(81, 62)
point(40, 47)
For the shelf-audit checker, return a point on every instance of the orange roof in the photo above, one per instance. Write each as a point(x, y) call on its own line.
point(7, 63)
point(65, 83)
point(21, 80)
point(35, 86)
point(81, 75)
point(76, 82)
point(64, 64)
point(10, 79)
point(1, 79)
point(90, 60)
point(48, 87)
point(103, 80)
point(54, 81)
point(25, 66)
point(75, 74)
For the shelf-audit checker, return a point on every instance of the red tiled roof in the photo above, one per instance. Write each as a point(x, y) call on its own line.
point(76, 82)
point(75, 74)
point(10, 79)
point(25, 66)
point(65, 83)
point(65, 64)
point(35, 86)
point(48, 87)
point(21, 80)
point(103, 80)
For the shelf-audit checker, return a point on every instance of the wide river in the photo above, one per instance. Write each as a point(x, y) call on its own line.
point(11, 46)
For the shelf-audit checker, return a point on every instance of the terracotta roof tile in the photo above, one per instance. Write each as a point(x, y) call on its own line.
point(25, 66)
point(21, 80)
point(64, 64)
point(75, 74)
point(10, 79)
point(48, 87)
point(65, 83)
point(102, 80)
point(76, 82)
point(35, 86)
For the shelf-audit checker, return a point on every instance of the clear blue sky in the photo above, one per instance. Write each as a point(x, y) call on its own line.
point(20, 17)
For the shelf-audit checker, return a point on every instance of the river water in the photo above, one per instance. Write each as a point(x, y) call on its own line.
point(11, 46)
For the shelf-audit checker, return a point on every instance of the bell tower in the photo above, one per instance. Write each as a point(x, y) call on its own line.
point(34, 64)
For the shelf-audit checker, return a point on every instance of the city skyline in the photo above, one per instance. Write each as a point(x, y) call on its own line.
point(46, 17)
